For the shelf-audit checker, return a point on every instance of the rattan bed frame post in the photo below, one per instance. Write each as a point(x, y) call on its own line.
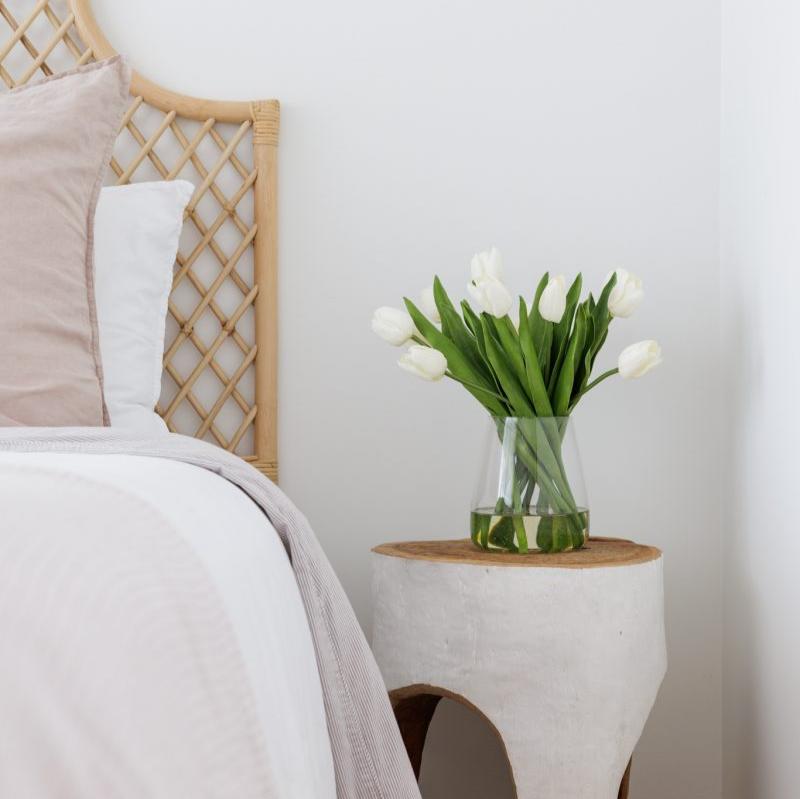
point(266, 123)
point(69, 28)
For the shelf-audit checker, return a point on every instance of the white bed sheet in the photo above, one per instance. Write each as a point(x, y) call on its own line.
point(251, 572)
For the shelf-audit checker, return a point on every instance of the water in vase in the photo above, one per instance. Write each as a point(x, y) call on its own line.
point(532, 530)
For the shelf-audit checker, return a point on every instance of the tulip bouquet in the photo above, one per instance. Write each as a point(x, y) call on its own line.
point(529, 374)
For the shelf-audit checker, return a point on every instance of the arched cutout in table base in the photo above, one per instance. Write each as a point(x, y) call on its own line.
point(414, 707)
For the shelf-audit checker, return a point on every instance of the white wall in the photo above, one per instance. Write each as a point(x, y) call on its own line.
point(574, 135)
point(761, 330)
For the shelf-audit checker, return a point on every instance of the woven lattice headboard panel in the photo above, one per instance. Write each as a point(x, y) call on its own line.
point(220, 375)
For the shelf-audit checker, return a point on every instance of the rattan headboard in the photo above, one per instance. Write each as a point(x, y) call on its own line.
point(220, 362)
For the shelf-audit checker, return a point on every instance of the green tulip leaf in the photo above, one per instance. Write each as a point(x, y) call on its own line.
point(583, 363)
point(457, 363)
point(479, 529)
point(555, 534)
point(562, 534)
point(534, 317)
point(544, 534)
point(535, 380)
point(599, 341)
point(543, 347)
point(601, 315)
point(474, 323)
point(470, 318)
point(602, 319)
point(541, 329)
point(456, 330)
point(509, 340)
point(501, 535)
point(566, 376)
point(517, 397)
point(561, 334)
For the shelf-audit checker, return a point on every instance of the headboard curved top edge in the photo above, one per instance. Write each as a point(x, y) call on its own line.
point(233, 111)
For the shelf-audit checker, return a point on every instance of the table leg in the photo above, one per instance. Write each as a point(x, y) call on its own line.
point(626, 782)
point(414, 714)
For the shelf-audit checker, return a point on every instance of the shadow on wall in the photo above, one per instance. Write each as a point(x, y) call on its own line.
point(463, 758)
point(744, 772)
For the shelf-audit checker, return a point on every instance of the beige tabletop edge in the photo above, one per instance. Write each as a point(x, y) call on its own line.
point(598, 553)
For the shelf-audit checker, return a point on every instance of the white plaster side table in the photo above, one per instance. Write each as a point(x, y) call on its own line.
point(562, 654)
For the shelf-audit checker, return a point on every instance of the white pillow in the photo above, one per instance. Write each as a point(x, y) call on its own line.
point(136, 234)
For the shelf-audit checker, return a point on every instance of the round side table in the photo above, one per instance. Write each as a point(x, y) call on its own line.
point(563, 655)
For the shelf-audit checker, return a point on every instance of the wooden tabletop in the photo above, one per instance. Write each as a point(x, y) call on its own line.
point(596, 553)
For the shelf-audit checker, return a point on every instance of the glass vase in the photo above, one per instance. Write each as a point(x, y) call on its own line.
point(530, 494)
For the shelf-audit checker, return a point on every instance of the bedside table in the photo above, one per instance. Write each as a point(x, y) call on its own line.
point(561, 654)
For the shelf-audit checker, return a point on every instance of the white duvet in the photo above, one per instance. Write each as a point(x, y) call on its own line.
point(102, 696)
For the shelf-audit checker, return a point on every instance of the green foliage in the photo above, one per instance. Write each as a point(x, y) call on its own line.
point(533, 370)
point(458, 364)
point(501, 535)
point(455, 328)
point(541, 330)
point(501, 363)
point(540, 369)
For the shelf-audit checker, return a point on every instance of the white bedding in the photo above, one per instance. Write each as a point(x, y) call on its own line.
point(250, 573)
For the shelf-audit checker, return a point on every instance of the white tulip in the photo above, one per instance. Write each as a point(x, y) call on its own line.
point(393, 325)
point(639, 359)
point(428, 304)
point(424, 362)
point(492, 296)
point(626, 295)
point(487, 264)
point(553, 301)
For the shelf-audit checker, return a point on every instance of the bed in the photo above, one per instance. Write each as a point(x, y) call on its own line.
point(147, 512)
point(172, 627)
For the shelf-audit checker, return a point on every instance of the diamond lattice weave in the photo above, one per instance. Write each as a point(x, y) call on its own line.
point(209, 382)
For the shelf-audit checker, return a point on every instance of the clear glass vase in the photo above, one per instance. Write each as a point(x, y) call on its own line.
point(530, 493)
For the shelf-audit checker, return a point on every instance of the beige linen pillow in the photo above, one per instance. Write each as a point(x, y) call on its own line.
point(56, 138)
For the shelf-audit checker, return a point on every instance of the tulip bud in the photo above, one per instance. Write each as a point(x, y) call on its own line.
point(492, 296)
point(639, 359)
point(428, 304)
point(424, 362)
point(626, 295)
point(553, 300)
point(393, 325)
point(487, 264)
